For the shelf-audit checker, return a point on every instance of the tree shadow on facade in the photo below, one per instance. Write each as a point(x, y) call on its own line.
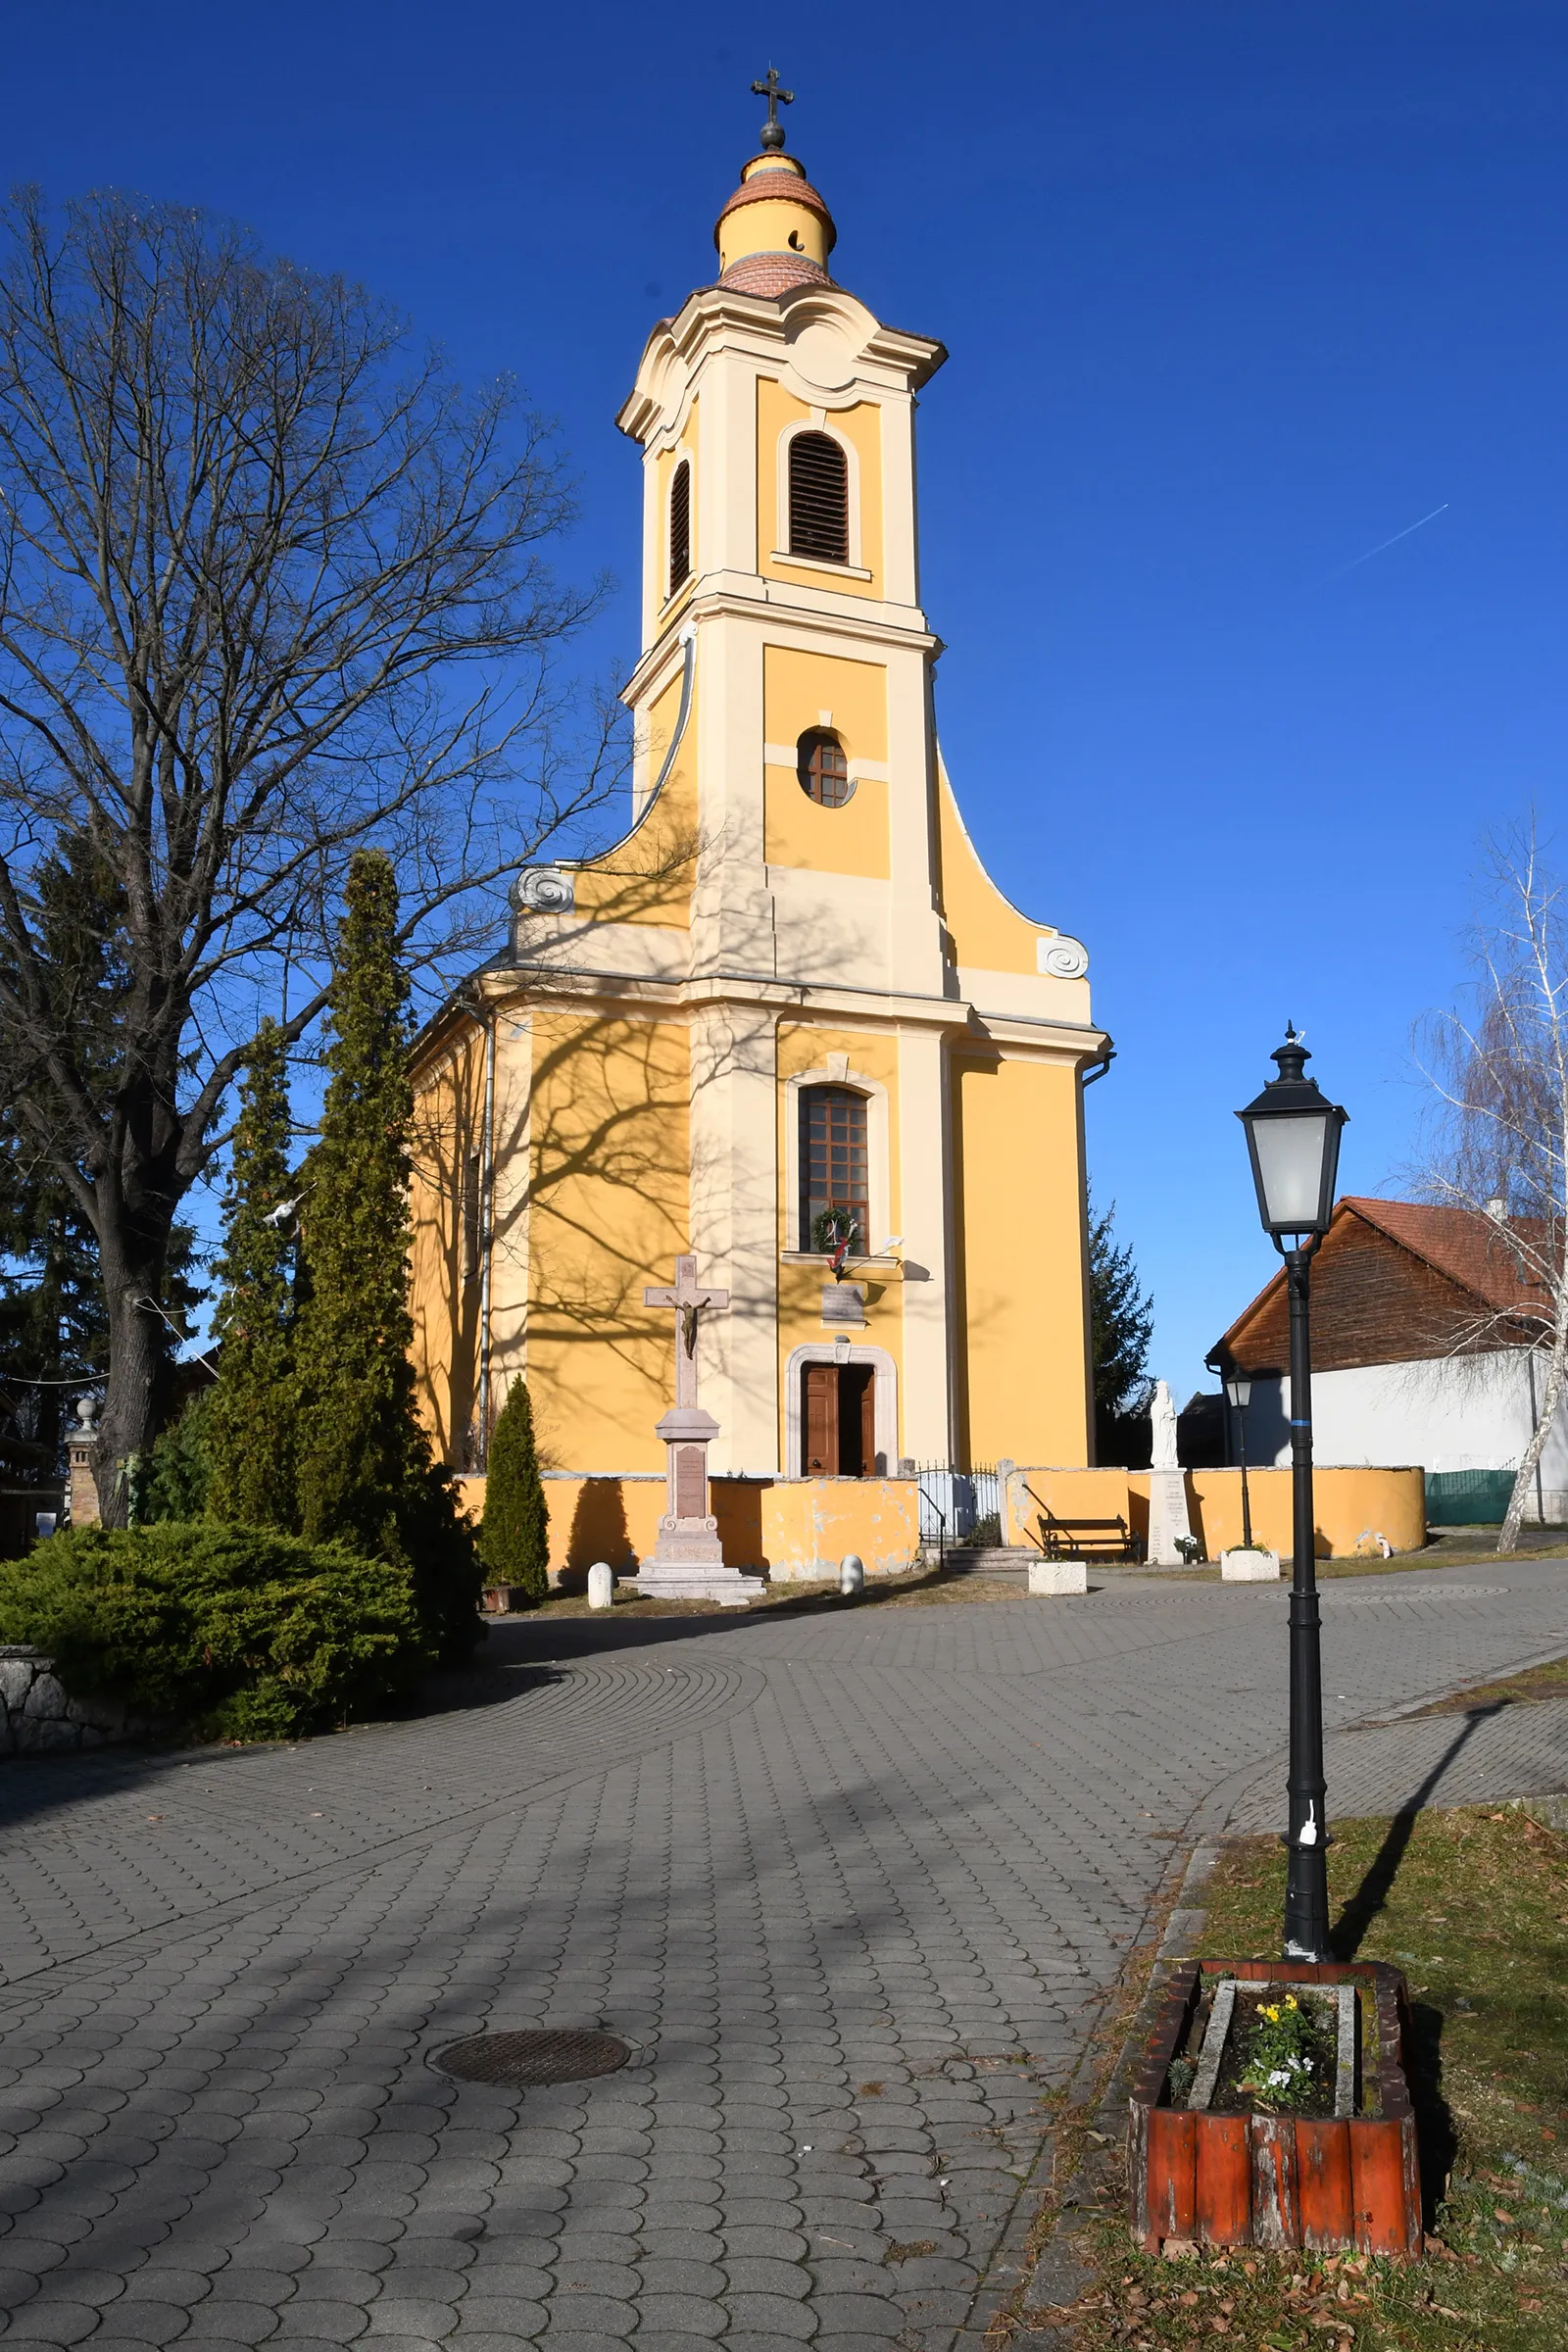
point(598, 1532)
point(1437, 2139)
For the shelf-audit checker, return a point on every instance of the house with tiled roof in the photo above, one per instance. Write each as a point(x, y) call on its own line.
point(1423, 1324)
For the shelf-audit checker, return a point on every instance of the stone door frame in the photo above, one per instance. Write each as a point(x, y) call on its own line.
point(884, 1406)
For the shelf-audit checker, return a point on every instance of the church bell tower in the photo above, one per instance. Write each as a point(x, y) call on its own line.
point(850, 1067)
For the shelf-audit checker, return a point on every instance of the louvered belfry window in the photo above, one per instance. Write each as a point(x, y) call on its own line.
point(820, 499)
point(680, 525)
point(835, 1171)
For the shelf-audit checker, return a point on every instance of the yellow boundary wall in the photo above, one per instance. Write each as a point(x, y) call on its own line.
point(1352, 1506)
point(794, 1528)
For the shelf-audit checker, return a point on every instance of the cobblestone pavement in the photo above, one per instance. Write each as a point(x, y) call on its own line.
point(855, 1888)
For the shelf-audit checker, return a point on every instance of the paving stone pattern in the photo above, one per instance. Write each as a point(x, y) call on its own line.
point(854, 1887)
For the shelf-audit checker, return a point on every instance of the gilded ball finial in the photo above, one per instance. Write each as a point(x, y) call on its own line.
point(772, 135)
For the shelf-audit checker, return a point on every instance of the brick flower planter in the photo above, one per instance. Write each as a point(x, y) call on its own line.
point(1280, 2181)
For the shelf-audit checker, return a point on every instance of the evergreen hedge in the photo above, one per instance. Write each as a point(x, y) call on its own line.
point(249, 1428)
point(514, 1533)
point(229, 1631)
point(366, 1473)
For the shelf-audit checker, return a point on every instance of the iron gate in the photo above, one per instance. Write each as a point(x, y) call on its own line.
point(959, 1506)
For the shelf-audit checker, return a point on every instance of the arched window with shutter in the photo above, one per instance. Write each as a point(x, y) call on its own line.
point(680, 525)
point(820, 499)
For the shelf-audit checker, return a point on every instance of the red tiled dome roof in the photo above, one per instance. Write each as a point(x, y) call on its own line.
point(773, 274)
point(777, 184)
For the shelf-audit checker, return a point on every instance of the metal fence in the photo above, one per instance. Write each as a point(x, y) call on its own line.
point(1472, 1497)
point(959, 1506)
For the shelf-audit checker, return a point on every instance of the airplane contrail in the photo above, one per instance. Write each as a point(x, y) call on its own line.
point(1393, 542)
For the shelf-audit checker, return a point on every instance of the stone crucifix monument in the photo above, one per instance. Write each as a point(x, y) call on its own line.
point(1167, 1484)
point(687, 1563)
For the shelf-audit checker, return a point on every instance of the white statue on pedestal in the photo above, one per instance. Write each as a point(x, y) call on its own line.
point(1162, 1415)
point(1169, 1527)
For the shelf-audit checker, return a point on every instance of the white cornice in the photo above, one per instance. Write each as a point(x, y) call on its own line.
point(776, 603)
point(717, 318)
point(875, 1009)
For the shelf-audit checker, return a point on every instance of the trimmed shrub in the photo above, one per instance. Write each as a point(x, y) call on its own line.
point(251, 1419)
point(514, 1533)
point(365, 1467)
point(232, 1632)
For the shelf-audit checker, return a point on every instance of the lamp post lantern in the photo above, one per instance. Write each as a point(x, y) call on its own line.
point(1238, 1391)
point(1292, 1136)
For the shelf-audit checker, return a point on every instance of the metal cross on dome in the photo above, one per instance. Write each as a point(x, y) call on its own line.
point(773, 128)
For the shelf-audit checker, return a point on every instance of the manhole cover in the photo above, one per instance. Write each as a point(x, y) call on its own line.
point(519, 2060)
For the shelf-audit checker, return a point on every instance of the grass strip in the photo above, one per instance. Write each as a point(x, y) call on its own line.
point(1473, 1905)
point(1514, 1689)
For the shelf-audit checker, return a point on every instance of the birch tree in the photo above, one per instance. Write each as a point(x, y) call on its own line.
point(1501, 1079)
point(272, 589)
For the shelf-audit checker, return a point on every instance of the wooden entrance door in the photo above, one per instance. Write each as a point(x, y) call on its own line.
point(820, 1421)
point(838, 1420)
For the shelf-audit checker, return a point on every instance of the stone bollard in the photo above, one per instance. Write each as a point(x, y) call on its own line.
point(1058, 1576)
point(601, 1585)
point(852, 1575)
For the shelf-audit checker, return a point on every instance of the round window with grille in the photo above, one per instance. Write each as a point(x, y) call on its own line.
point(824, 770)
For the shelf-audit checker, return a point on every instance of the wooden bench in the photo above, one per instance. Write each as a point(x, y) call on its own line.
point(1087, 1539)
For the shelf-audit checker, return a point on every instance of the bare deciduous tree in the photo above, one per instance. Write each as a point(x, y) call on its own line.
point(272, 587)
point(1501, 1079)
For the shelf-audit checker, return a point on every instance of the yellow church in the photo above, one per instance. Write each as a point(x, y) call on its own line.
point(787, 1030)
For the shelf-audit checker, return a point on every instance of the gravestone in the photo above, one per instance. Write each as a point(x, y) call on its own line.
point(687, 1562)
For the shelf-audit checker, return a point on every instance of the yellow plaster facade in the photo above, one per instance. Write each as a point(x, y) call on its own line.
point(626, 1082)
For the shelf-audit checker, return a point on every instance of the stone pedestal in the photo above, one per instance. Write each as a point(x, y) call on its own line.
point(1058, 1576)
point(1167, 1517)
point(83, 1487)
point(1240, 1567)
point(687, 1563)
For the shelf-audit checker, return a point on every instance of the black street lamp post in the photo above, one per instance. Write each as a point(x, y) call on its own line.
point(1238, 1389)
point(1292, 1134)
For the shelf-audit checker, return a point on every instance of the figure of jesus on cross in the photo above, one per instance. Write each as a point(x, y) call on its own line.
point(688, 1560)
point(688, 1301)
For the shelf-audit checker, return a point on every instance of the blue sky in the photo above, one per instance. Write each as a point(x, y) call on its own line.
point(1233, 293)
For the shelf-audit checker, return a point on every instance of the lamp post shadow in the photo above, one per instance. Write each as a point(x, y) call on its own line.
point(1435, 2138)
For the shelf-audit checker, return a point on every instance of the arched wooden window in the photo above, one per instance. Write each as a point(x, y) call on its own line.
point(680, 525)
point(820, 499)
point(823, 769)
point(835, 1168)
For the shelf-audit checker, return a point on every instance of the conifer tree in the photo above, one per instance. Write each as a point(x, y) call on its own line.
point(1121, 1322)
point(249, 1425)
point(366, 1472)
point(515, 1535)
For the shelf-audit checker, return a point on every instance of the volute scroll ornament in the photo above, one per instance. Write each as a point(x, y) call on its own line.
point(544, 890)
point(1063, 958)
